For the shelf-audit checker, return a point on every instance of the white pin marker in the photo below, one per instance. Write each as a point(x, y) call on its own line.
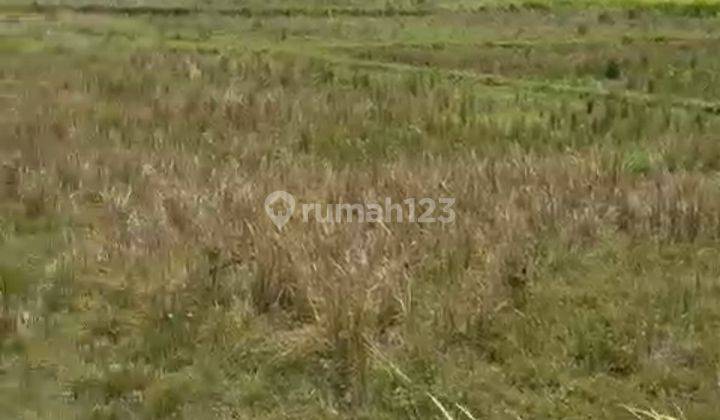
point(280, 219)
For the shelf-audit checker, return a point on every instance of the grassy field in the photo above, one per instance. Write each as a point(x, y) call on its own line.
point(140, 277)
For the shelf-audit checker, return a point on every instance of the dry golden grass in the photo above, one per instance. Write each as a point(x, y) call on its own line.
point(579, 274)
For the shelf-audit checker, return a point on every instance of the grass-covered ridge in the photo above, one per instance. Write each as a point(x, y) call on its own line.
point(386, 8)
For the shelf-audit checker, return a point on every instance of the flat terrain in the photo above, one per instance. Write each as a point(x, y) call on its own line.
point(140, 277)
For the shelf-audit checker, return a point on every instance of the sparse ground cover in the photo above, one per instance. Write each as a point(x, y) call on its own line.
point(140, 277)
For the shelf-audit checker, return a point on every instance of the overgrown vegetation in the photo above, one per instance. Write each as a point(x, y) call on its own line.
point(141, 278)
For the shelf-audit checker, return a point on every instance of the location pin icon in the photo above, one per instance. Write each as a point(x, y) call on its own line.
point(277, 217)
